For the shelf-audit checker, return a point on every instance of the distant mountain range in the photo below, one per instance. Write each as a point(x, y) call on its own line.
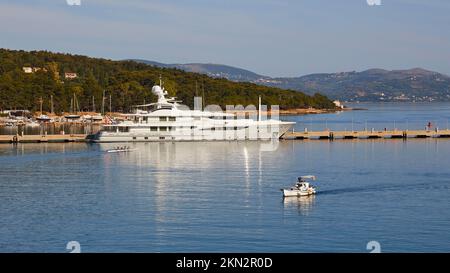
point(372, 85)
point(212, 70)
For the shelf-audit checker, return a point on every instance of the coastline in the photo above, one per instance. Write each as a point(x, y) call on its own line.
point(58, 119)
point(313, 111)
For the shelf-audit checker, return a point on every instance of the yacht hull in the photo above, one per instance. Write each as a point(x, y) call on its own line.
point(145, 135)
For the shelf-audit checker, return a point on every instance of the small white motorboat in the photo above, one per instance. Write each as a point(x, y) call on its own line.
point(301, 188)
point(32, 124)
point(43, 118)
point(97, 118)
point(72, 117)
point(120, 150)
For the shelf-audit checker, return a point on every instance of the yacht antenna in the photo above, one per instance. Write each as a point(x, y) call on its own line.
point(160, 80)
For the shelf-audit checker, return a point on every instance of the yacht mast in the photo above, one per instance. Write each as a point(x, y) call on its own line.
point(259, 108)
point(196, 89)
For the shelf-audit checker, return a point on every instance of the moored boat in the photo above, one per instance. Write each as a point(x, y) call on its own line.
point(43, 118)
point(168, 120)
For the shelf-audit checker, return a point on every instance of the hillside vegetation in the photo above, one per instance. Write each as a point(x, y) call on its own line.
point(128, 82)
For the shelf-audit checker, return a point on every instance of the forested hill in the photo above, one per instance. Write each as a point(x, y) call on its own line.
point(25, 77)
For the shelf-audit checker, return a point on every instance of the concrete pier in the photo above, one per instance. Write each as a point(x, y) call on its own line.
point(388, 134)
point(42, 138)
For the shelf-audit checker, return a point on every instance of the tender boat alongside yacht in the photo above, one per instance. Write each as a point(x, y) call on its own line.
point(301, 188)
point(167, 120)
point(120, 150)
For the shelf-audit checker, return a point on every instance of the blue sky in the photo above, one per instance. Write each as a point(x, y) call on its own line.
point(270, 37)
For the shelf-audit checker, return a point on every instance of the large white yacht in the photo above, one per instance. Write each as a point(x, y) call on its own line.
point(168, 120)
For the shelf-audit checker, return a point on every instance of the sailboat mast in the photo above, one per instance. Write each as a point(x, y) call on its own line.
point(75, 103)
point(110, 104)
point(51, 104)
point(103, 103)
point(93, 104)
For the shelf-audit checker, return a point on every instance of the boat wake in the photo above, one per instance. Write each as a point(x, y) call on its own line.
point(387, 187)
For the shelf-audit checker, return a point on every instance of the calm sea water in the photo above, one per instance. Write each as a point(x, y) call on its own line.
point(400, 116)
point(224, 196)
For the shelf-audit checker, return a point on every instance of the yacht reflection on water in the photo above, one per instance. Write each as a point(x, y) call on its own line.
point(304, 204)
point(177, 175)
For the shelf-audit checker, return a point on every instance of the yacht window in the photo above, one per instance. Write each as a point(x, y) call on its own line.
point(163, 129)
point(213, 129)
point(145, 119)
point(154, 129)
point(171, 128)
point(162, 118)
point(192, 127)
point(172, 118)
